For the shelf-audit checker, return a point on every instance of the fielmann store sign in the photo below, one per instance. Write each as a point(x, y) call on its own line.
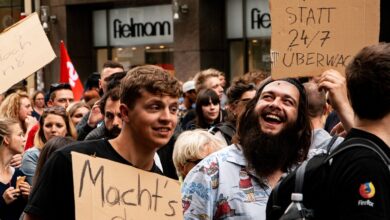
point(133, 26)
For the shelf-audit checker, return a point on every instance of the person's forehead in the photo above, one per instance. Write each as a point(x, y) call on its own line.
point(148, 96)
point(39, 95)
point(82, 109)
point(248, 94)
point(15, 128)
point(24, 100)
point(212, 81)
point(64, 93)
point(111, 104)
point(106, 72)
point(282, 87)
point(51, 117)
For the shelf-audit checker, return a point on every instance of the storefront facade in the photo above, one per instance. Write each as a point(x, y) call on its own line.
point(183, 36)
point(203, 34)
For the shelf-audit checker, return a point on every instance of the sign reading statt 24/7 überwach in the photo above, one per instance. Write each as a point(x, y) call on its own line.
point(310, 36)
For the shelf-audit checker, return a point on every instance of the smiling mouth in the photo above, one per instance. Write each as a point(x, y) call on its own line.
point(162, 129)
point(273, 118)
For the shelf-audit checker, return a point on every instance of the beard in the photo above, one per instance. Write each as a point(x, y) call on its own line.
point(268, 153)
point(112, 133)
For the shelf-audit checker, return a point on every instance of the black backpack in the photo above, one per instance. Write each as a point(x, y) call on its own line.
point(312, 172)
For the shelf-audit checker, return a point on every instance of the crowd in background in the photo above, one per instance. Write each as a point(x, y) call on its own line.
point(226, 123)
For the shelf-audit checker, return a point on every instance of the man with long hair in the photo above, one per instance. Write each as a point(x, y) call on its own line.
point(273, 135)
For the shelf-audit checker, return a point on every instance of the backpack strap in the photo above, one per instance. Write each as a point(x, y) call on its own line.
point(330, 145)
point(359, 142)
point(275, 194)
point(300, 177)
point(300, 174)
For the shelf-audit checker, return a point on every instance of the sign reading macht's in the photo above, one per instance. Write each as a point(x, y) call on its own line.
point(24, 49)
point(309, 37)
point(104, 189)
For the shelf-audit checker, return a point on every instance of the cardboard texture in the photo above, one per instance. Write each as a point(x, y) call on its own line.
point(104, 189)
point(24, 49)
point(309, 37)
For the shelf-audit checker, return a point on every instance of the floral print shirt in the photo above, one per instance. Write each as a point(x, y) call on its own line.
point(221, 186)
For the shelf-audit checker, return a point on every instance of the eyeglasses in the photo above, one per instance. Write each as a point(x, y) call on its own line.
point(58, 86)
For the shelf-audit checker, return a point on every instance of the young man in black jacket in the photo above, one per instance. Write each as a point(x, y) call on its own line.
point(149, 103)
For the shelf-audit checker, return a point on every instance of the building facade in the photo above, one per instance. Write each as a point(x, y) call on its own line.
point(183, 36)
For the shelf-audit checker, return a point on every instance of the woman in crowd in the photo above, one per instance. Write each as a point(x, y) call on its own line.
point(38, 101)
point(208, 110)
point(191, 147)
point(18, 106)
point(13, 195)
point(76, 111)
point(53, 122)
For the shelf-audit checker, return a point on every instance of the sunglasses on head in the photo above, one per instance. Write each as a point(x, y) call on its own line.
point(59, 110)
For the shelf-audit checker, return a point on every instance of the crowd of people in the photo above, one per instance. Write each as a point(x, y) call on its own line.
point(228, 147)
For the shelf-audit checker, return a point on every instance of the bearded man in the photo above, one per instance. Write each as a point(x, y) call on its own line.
point(274, 134)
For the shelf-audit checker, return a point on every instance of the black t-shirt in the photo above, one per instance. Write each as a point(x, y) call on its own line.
point(358, 185)
point(52, 196)
point(13, 210)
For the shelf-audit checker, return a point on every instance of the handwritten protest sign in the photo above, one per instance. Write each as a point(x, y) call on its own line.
point(104, 189)
point(24, 49)
point(310, 36)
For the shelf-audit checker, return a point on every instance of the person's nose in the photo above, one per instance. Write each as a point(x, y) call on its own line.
point(276, 103)
point(166, 115)
point(117, 121)
point(54, 130)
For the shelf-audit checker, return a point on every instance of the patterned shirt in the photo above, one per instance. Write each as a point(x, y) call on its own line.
point(222, 187)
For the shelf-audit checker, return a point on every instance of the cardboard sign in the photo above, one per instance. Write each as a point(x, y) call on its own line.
point(104, 189)
point(24, 49)
point(310, 36)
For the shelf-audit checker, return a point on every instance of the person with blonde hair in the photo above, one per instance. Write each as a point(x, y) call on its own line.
point(13, 195)
point(18, 106)
point(209, 79)
point(53, 122)
point(76, 111)
point(191, 147)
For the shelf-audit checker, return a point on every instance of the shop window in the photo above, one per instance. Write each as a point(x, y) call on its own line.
point(236, 58)
point(9, 12)
point(101, 58)
point(131, 56)
point(259, 54)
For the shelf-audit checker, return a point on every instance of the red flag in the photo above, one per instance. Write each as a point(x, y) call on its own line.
point(69, 74)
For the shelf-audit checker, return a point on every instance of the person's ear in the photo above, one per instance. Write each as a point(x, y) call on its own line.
point(124, 110)
point(50, 103)
point(327, 109)
point(100, 83)
point(6, 140)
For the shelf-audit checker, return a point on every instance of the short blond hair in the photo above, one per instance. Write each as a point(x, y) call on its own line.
point(194, 145)
point(202, 76)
